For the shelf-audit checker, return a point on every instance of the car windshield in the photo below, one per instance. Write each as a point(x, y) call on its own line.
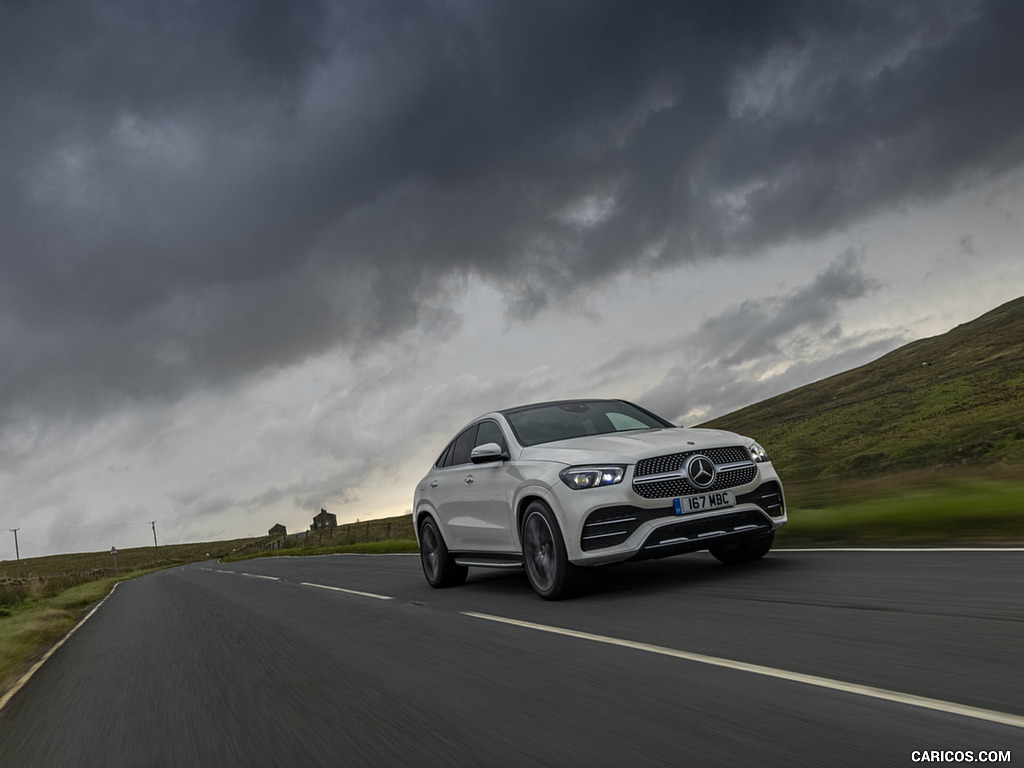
point(548, 422)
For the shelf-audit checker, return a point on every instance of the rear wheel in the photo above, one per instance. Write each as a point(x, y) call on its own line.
point(547, 565)
point(744, 550)
point(439, 566)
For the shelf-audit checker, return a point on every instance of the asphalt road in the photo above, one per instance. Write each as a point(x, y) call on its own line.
point(206, 666)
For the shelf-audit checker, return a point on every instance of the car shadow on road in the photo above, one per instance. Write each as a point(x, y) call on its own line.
point(685, 571)
point(651, 576)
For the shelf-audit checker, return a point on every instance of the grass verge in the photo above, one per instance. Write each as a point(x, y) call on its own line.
point(961, 510)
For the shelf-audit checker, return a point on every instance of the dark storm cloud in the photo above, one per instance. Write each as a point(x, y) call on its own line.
point(752, 330)
point(195, 192)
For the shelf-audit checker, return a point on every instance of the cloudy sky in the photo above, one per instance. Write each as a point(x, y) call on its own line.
point(259, 258)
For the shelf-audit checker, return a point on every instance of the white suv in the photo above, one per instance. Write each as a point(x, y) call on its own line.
point(555, 486)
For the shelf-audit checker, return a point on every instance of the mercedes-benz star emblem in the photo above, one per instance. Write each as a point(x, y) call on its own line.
point(701, 471)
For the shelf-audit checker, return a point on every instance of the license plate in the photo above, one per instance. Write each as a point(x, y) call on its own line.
point(704, 502)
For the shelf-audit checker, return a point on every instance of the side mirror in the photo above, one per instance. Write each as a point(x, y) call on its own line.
point(487, 452)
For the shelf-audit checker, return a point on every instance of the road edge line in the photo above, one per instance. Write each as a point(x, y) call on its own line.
point(23, 680)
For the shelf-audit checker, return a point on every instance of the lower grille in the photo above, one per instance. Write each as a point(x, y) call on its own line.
point(693, 531)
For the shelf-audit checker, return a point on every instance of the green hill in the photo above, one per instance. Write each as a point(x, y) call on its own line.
point(955, 400)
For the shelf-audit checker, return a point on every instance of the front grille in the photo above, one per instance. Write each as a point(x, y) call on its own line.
point(673, 462)
point(679, 486)
point(688, 531)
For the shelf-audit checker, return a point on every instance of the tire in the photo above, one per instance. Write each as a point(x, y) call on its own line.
point(439, 567)
point(547, 566)
point(744, 550)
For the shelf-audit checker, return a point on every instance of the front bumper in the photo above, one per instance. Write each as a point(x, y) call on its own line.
point(619, 525)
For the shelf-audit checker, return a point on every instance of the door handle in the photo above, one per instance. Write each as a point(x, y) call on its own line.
point(468, 480)
point(433, 483)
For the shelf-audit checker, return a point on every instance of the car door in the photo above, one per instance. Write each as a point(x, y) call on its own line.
point(448, 488)
point(488, 504)
point(472, 499)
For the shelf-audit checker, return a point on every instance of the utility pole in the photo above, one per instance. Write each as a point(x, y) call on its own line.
point(153, 523)
point(17, 553)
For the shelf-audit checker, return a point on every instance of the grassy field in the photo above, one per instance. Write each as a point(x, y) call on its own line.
point(134, 559)
point(918, 508)
point(954, 401)
point(41, 577)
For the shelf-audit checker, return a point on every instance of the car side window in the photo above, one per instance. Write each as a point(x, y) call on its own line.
point(464, 443)
point(445, 459)
point(490, 432)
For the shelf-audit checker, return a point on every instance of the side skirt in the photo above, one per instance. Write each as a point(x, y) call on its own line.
point(489, 559)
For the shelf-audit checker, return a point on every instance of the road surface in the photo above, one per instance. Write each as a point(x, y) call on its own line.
point(806, 658)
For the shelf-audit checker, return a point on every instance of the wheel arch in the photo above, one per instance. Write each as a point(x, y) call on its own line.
point(525, 501)
point(422, 514)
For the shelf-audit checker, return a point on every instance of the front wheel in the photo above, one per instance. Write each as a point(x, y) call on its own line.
point(439, 566)
point(551, 574)
point(743, 551)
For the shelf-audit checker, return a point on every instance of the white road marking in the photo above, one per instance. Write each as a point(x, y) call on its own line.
point(780, 550)
point(923, 702)
point(347, 591)
point(35, 667)
point(259, 576)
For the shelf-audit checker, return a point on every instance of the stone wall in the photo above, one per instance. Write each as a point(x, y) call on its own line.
point(385, 529)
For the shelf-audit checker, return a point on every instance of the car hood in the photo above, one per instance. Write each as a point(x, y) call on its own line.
point(628, 447)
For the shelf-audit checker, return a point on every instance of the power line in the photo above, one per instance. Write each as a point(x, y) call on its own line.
point(83, 525)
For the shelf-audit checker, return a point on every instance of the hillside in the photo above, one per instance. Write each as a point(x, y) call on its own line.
point(950, 400)
point(80, 567)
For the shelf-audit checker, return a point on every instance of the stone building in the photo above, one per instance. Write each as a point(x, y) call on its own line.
point(324, 520)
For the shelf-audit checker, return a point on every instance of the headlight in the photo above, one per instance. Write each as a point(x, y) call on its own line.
point(591, 477)
point(758, 454)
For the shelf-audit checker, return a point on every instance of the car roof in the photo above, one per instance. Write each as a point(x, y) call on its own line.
point(518, 408)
